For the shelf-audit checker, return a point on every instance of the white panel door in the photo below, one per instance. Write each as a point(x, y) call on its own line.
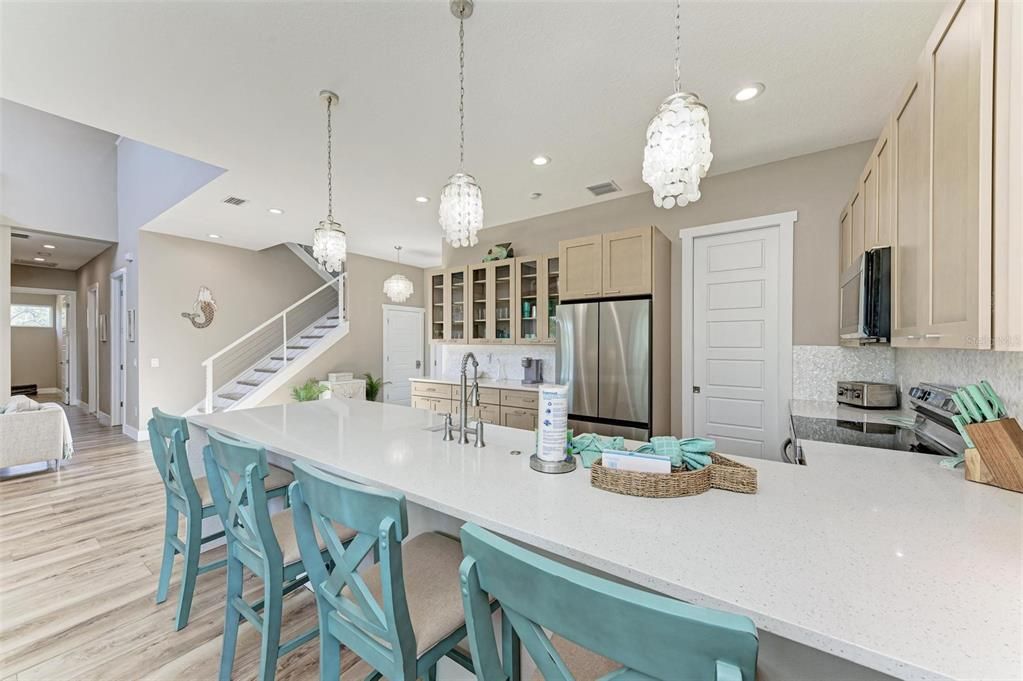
point(735, 335)
point(403, 352)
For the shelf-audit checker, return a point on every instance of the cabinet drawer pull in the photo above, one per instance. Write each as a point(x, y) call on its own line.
point(913, 337)
point(617, 290)
point(932, 336)
point(593, 293)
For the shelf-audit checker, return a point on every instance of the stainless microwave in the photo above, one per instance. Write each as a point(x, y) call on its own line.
point(865, 298)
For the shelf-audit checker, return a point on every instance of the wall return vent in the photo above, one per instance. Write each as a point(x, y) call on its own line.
point(235, 201)
point(608, 187)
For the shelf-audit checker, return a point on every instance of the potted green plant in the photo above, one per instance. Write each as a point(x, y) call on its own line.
point(308, 391)
point(373, 386)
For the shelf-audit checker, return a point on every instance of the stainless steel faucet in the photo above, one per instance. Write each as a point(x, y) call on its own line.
point(464, 401)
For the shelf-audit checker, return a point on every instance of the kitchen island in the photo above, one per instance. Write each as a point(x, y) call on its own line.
point(880, 559)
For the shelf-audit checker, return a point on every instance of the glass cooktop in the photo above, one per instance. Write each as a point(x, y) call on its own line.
point(860, 434)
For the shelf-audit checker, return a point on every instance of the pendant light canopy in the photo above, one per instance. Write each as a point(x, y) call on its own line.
point(330, 244)
point(677, 153)
point(398, 287)
point(461, 201)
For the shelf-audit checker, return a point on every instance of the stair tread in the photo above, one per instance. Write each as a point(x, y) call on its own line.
point(312, 337)
point(234, 397)
point(325, 326)
point(249, 383)
point(266, 371)
point(298, 347)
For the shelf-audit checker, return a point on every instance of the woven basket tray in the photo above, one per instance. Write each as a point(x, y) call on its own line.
point(723, 473)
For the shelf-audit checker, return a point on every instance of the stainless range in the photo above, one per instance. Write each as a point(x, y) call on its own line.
point(928, 430)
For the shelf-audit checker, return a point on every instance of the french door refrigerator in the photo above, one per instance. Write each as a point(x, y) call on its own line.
point(603, 356)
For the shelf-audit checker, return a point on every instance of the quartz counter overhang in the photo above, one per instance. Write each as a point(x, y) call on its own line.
point(884, 559)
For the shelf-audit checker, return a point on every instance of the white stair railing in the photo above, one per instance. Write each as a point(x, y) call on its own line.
point(281, 337)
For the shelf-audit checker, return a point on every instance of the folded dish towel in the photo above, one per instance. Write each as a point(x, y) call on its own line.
point(694, 452)
point(590, 446)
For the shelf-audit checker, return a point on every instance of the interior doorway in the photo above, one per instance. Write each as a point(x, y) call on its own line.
point(65, 314)
point(92, 346)
point(737, 333)
point(118, 347)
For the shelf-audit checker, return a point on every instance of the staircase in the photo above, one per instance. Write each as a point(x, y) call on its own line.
point(273, 354)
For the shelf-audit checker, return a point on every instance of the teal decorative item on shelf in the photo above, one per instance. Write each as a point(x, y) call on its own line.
point(499, 252)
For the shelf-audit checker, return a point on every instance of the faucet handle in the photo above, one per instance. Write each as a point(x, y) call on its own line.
point(448, 428)
point(479, 434)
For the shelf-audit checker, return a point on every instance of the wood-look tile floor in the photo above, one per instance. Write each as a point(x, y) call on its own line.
point(79, 559)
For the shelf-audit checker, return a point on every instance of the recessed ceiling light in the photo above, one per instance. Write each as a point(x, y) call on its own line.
point(275, 211)
point(422, 199)
point(749, 92)
point(50, 246)
point(541, 160)
point(213, 236)
point(535, 195)
point(39, 259)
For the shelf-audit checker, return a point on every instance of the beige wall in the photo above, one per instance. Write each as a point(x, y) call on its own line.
point(41, 277)
point(249, 287)
point(816, 185)
point(34, 350)
point(96, 271)
point(361, 350)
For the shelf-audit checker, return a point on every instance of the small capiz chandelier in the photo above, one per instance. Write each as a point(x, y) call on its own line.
point(677, 153)
point(461, 201)
point(398, 287)
point(330, 244)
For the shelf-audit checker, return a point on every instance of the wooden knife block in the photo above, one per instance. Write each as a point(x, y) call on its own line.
point(998, 457)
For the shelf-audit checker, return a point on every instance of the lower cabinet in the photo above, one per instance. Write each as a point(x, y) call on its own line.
point(514, 417)
point(511, 408)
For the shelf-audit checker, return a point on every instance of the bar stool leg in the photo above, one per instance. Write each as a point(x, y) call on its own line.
point(330, 647)
point(193, 543)
point(167, 564)
point(272, 605)
point(232, 619)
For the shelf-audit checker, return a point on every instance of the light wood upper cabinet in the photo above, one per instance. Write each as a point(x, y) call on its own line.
point(1008, 169)
point(581, 267)
point(530, 312)
point(943, 145)
point(436, 305)
point(868, 192)
point(856, 214)
point(845, 240)
point(552, 291)
point(501, 302)
point(883, 186)
point(457, 301)
point(627, 262)
point(480, 291)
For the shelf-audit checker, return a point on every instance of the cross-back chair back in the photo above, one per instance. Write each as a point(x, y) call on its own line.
point(168, 435)
point(378, 632)
point(654, 637)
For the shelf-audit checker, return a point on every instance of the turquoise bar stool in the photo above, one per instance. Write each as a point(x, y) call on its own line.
point(602, 629)
point(264, 544)
point(191, 498)
point(400, 615)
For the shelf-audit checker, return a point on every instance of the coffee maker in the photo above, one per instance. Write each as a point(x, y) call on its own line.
point(532, 371)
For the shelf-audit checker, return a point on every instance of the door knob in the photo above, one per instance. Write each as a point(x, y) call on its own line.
point(696, 389)
point(419, 364)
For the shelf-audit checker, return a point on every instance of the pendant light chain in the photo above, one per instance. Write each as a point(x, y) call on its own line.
point(678, 45)
point(461, 93)
point(330, 164)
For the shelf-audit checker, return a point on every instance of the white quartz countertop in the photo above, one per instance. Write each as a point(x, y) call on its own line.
point(503, 384)
point(845, 412)
point(882, 558)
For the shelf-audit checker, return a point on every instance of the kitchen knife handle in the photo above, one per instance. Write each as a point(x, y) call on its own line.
point(972, 411)
point(981, 402)
point(996, 401)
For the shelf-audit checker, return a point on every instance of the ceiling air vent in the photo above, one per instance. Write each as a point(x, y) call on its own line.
point(33, 263)
point(15, 235)
point(608, 187)
point(235, 201)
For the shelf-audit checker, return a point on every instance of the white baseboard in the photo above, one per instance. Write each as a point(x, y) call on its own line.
point(78, 403)
point(103, 418)
point(49, 391)
point(135, 433)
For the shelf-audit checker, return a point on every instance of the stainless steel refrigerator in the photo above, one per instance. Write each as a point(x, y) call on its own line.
point(603, 356)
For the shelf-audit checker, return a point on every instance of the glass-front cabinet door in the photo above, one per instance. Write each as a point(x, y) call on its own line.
point(479, 292)
point(552, 291)
point(530, 309)
point(503, 277)
point(437, 306)
point(457, 299)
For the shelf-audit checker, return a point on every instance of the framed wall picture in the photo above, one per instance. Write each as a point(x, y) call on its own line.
point(131, 325)
point(102, 328)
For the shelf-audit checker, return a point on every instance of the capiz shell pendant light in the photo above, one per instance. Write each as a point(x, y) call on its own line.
point(330, 244)
point(677, 153)
point(398, 287)
point(461, 201)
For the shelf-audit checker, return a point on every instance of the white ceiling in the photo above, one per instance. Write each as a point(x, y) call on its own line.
point(235, 84)
point(70, 253)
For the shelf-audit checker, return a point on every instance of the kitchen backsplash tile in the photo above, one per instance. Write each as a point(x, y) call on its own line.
point(816, 369)
point(496, 361)
point(961, 367)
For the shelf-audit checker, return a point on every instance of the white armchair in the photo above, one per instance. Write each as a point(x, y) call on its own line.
point(31, 437)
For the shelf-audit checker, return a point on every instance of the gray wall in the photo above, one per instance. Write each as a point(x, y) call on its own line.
point(96, 271)
point(41, 277)
point(58, 175)
point(34, 350)
point(816, 185)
